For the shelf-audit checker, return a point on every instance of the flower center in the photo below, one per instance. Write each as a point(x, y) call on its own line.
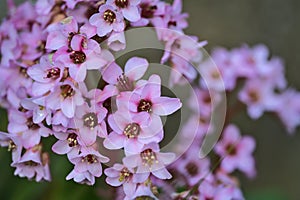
point(203, 120)
point(132, 130)
point(230, 149)
point(250, 60)
point(109, 16)
point(41, 46)
point(215, 75)
point(23, 71)
point(192, 168)
point(121, 3)
point(253, 95)
point(124, 84)
point(31, 125)
point(22, 109)
point(144, 105)
point(31, 163)
point(172, 23)
point(147, 10)
point(148, 157)
point(72, 140)
point(90, 159)
point(53, 73)
point(90, 120)
point(11, 146)
point(77, 57)
point(124, 174)
point(207, 99)
point(67, 91)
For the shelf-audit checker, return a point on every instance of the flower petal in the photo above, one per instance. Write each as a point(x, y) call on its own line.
point(131, 13)
point(61, 147)
point(111, 73)
point(165, 105)
point(87, 137)
point(135, 68)
point(162, 173)
point(114, 141)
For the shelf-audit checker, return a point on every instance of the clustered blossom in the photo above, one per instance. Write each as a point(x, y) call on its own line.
point(264, 87)
point(47, 52)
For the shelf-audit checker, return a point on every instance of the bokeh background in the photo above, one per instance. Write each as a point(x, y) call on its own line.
point(229, 23)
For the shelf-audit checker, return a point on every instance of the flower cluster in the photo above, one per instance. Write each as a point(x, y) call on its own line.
point(48, 51)
point(260, 86)
point(264, 87)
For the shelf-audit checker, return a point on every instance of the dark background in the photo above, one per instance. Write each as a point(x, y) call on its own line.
point(227, 23)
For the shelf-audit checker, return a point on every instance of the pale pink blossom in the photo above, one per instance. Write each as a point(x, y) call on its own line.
point(107, 20)
point(150, 161)
point(236, 151)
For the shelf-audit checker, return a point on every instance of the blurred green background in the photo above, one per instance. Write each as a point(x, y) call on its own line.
point(223, 23)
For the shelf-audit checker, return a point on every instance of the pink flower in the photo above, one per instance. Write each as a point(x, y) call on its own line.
point(65, 97)
point(32, 165)
point(30, 133)
point(10, 49)
point(288, 109)
point(22, 15)
point(44, 6)
point(150, 160)
point(211, 76)
point(275, 74)
point(117, 41)
point(60, 34)
point(259, 96)
point(67, 143)
point(208, 189)
point(255, 65)
point(6, 74)
point(134, 70)
point(18, 84)
point(118, 175)
point(99, 97)
point(81, 177)
point(149, 9)
point(227, 186)
point(205, 100)
point(89, 160)
point(83, 54)
point(39, 112)
point(59, 121)
point(80, 14)
point(177, 19)
point(143, 190)
point(253, 60)
point(236, 151)
point(132, 133)
point(128, 8)
point(107, 20)
point(228, 69)
point(181, 51)
point(13, 144)
point(46, 75)
point(148, 99)
point(33, 42)
point(172, 18)
point(193, 168)
point(192, 133)
point(89, 120)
